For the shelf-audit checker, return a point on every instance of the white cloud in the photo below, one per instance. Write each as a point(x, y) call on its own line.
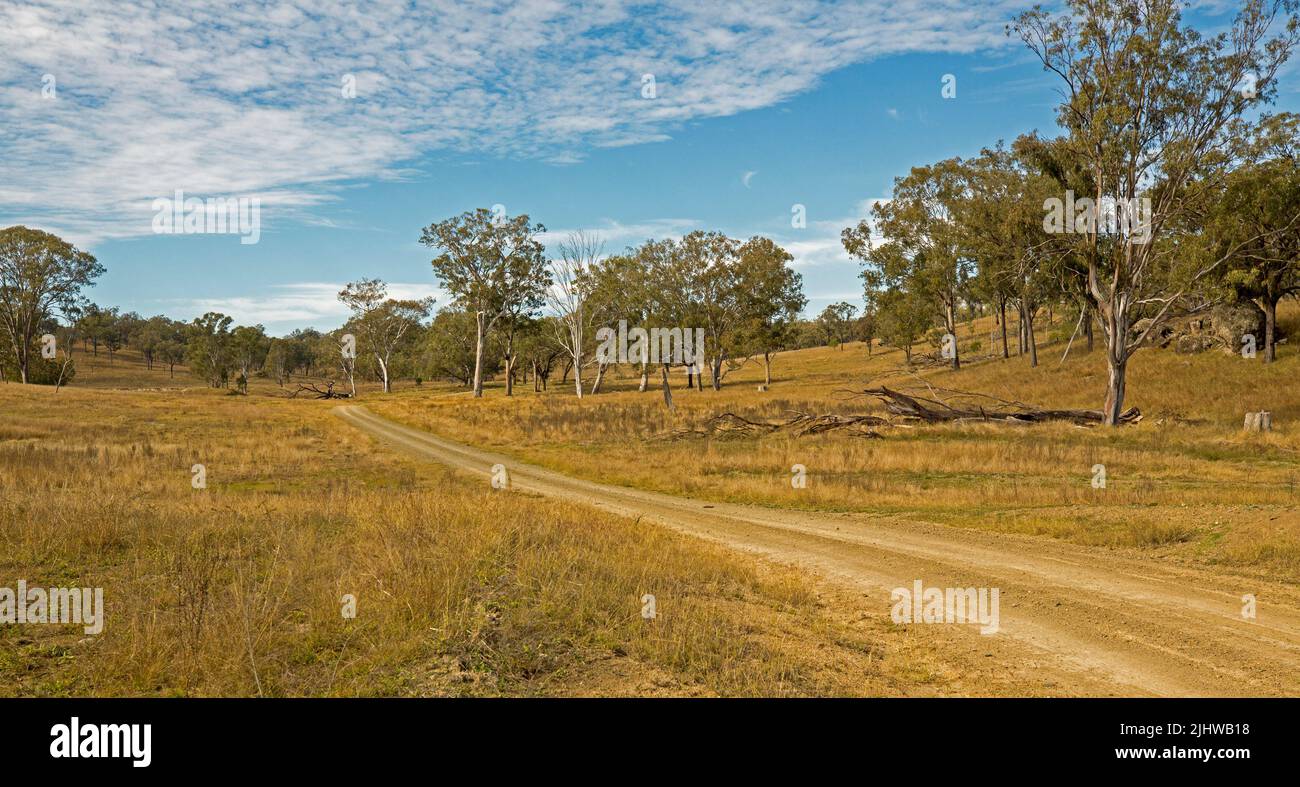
point(819, 243)
point(244, 98)
point(617, 236)
point(297, 305)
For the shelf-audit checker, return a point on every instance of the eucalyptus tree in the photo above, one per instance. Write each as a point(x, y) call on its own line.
point(921, 250)
point(572, 299)
point(772, 299)
point(1146, 103)
point(40, 274)
point(836, 322)
point(1258, 218)
point(495, 268)
point(902, 318)
point(249, 345)
point(384, 324)
point(207, 348)
point(1000, 216)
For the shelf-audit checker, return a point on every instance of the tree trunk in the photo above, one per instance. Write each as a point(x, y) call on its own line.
point(1002, 307)
point(767, 366)
point(1114, 390)
point(1029, 336)
point(668, 391)
point(645, 378)
point(600, 375)
point(716, 371)
point(950, 322)
point(510, 364)
point(1088, 321)
point(577, 375)
point(1270, 329)
point(1117, 365)
point(383, 371)
point(478, 355)
point(1020, 329)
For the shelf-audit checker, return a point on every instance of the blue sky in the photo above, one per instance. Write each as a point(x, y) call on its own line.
point(538, 108)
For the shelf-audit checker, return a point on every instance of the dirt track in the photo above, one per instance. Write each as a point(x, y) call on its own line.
point(1100, 622)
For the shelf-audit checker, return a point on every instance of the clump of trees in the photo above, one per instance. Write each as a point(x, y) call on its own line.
point(1152, 122)
point(514, 312)
point(743, 298)
point(495, 268)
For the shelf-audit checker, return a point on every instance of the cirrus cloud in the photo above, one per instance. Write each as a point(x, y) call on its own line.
point(251, 98)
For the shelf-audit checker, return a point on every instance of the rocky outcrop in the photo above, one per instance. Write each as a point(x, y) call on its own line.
point(1221, 328)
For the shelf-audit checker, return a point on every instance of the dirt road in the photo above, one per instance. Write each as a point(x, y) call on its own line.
point(1130, 625)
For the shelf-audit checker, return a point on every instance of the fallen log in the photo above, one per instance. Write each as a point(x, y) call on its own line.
point(317, 393)
point(966, 406)
point(799, 425)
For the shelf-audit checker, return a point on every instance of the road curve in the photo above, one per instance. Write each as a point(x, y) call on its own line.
point(1139, 626)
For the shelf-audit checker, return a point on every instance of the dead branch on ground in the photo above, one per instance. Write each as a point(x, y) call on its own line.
point(799, 425)
point(317, 393)
point(968, 406)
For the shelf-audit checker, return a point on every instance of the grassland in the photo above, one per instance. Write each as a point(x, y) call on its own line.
point(236, 589)
point(1184, 484)
point(464, 590)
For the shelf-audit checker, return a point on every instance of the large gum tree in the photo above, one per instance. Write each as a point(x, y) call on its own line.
point(40, 273)
point(1146, 104)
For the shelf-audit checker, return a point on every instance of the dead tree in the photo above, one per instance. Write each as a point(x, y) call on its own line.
point(317, 393)
point(967, 406)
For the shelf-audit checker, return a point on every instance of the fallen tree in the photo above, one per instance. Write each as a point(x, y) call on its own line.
point(967, 406)
point(317, 393)
point(798, 425)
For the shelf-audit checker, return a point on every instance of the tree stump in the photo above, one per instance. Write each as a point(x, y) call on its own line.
point(762, 389)
point(1261, 421)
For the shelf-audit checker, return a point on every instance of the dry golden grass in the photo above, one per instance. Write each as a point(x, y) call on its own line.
point(462, 590)
point(1186, 483)
point(236, 589)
